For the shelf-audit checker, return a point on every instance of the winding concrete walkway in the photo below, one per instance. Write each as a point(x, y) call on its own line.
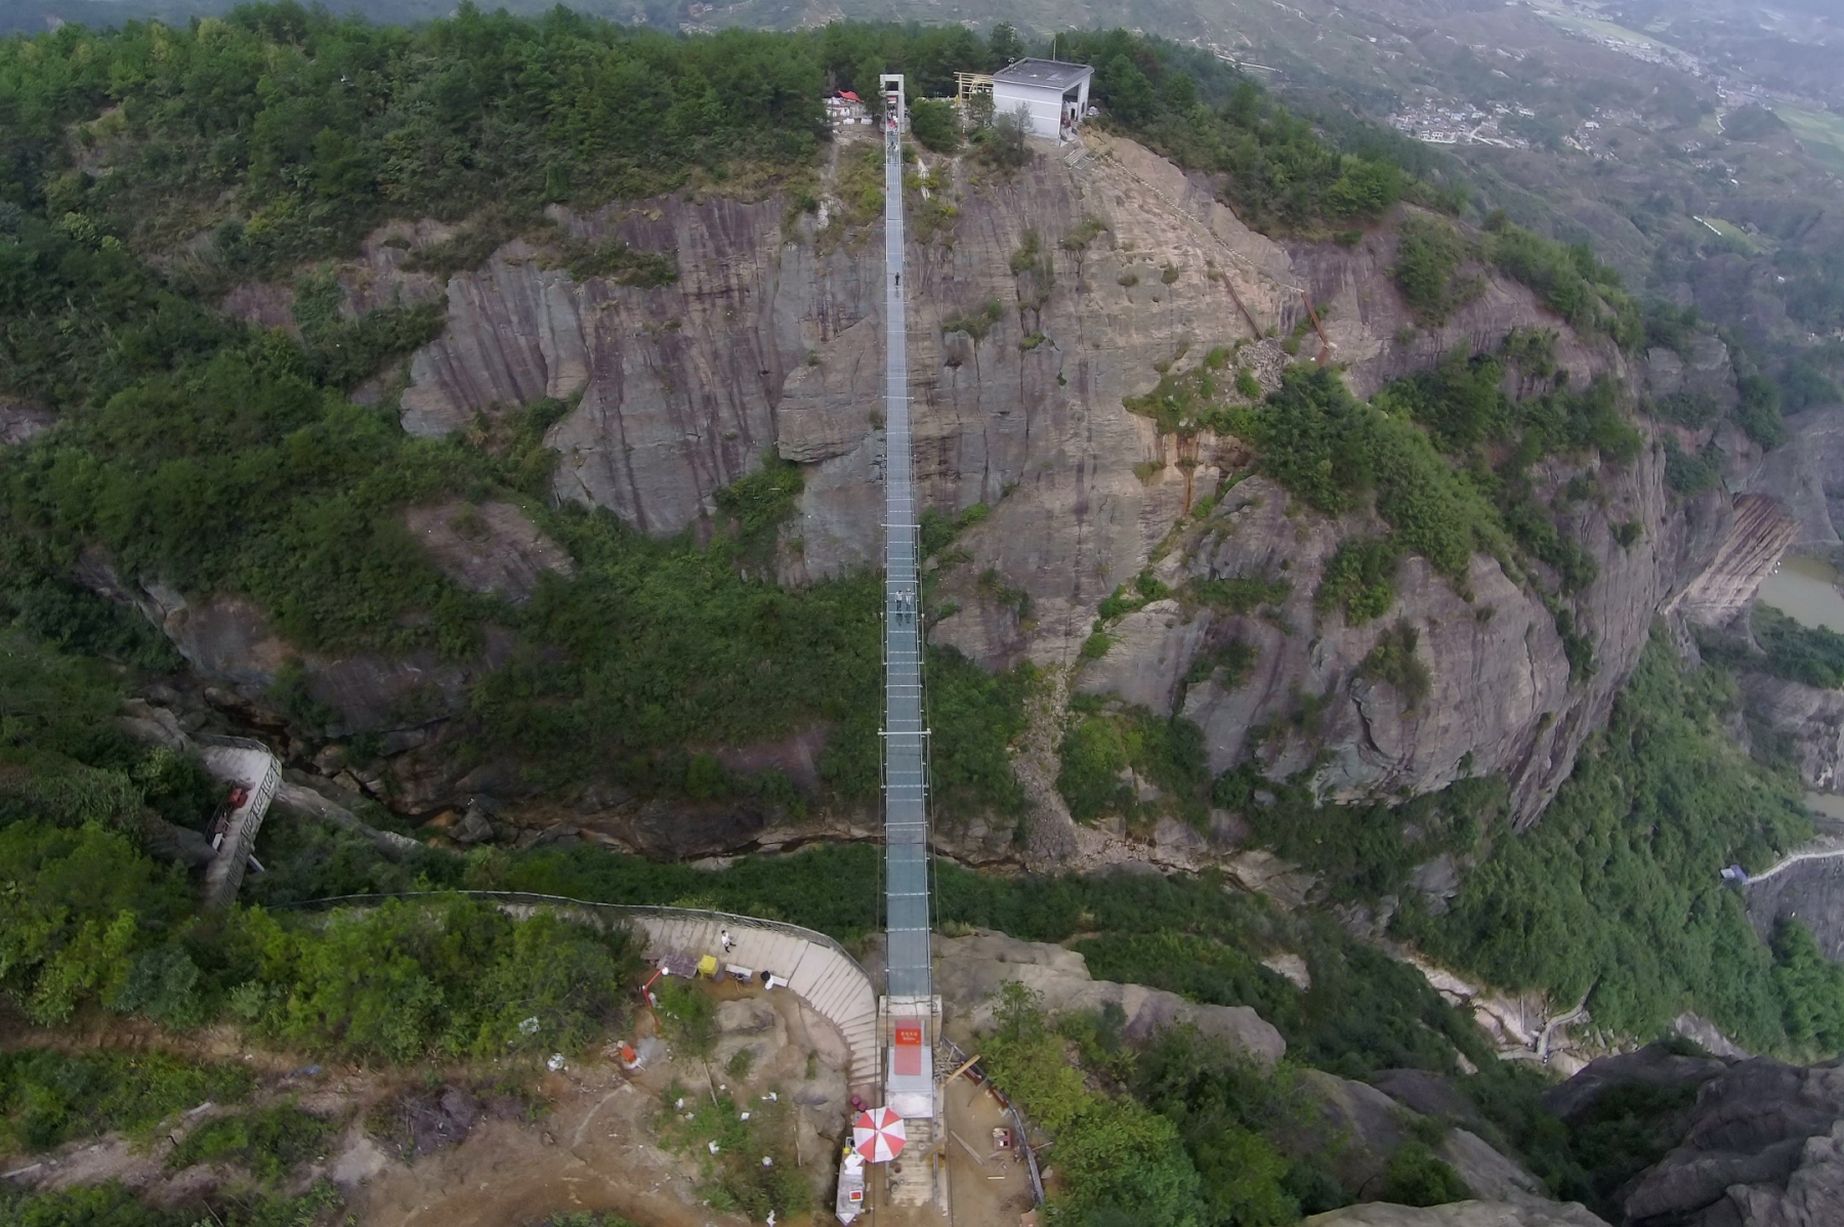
point(817, 972)
point(1826, 850)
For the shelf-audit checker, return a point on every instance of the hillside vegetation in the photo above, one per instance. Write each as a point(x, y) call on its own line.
point(149, 167)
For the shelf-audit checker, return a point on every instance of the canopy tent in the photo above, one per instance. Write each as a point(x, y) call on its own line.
point(878, 1135)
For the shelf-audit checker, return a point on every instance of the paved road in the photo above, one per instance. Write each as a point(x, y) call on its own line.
point(906, 870)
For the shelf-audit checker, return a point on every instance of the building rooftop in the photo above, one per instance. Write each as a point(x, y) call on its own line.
point(1050, 74)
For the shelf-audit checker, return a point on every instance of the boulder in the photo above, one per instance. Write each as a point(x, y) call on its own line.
point(1652, 1066)
point(1764, 1148)
point(21, 421)
point(1373, 1126)
point(971, 970)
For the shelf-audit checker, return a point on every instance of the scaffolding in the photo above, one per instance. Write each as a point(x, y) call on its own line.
point(968, 86)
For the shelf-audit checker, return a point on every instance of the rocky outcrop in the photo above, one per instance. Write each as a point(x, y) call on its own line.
point(1372, 1126)
point(1373, 332)
point(406, 700)
point(1765, 1148)
point(971, 970)
point(1652, 1067)
point(771, 337)
point(1104, 274)
point(378, 276)
point(1811, 719)
point(21, 421)
point(1806, 475)
point(1459, 1214)
point(1759, 1143)
point(489, 548)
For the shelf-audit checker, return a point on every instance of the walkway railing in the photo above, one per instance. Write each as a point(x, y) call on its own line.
point(623, 910)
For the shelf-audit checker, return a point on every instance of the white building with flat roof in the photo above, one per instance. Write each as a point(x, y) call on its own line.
point(1053, 94)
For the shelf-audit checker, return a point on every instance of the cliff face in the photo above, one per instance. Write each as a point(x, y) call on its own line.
point(1105, 271)
point(1812, 719)
point(1807, 475)
point(1500, 694)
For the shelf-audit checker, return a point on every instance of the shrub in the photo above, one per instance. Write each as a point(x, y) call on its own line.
point(1238, 594)
point(1689, 473)
point(269, 1142)
point(1416, 1176)
point(49, 1097)
point(1359, 579)
point(1427, 270)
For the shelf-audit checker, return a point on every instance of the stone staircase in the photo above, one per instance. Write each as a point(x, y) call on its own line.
point(921, 1178)
point(821, 975)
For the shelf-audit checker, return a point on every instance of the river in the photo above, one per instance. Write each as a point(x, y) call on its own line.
point(1807, 590)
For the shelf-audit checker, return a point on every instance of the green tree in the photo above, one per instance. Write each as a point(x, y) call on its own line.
point(933, 122)
point(1004, 46)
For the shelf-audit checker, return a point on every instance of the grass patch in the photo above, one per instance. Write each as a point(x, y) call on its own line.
point(48, 1097)
point(269, 1143)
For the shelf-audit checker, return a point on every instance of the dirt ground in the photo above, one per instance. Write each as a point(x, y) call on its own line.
point(583, 1142)
point(990, 1187)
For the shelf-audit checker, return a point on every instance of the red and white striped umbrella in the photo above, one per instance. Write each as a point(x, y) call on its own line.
point(878, 1135)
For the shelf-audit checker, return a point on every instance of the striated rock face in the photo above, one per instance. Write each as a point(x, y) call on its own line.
point(1459, 1214)
point(1757, 538)
point(679, 385)
point(970, 971)
point(489, 548)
